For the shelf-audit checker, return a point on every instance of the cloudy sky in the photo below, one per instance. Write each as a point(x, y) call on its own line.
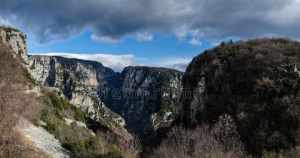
point(146, 32)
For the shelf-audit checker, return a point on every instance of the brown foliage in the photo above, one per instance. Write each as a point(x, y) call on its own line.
point(200, 142)
point(220, 141)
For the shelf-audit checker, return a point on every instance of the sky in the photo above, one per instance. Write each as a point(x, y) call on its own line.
point(166, 33)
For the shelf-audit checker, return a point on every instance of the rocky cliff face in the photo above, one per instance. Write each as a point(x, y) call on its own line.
point(80, 82)
point(15, 39)
point(146, 98)
point(256, 83)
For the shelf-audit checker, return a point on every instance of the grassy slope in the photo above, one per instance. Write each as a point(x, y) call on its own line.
point(14, 104)
point(80, 141)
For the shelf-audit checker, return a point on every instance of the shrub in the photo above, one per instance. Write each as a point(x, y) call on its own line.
point(78, 140)
point(79, 115)
point(58, 102)
point(197, 143)
point(286, 154)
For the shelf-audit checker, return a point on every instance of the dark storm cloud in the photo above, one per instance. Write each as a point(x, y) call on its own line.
point(54, 19)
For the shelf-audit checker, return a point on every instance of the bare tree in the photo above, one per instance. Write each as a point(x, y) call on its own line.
point(221, 141)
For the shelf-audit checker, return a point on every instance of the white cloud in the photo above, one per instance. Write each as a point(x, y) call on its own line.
point(176, 63)
point(193, 37)
point(4, 22)
point(181, 32)
point(116, 62)
point(174, 60)
point(195, 42)
point(105, 39)
point(144, 37)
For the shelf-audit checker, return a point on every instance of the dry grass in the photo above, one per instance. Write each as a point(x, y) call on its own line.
point(13, 104)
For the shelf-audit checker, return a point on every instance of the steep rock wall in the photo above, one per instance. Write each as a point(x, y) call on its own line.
point(146, 98)
point(15, 39)
point(80, 82)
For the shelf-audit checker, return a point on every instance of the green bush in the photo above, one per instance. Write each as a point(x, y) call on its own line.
point(29, 78)
point(58, 102)
point(78, 140)
point(79, 115)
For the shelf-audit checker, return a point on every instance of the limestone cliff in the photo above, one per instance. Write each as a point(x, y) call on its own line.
point(146, 98)
point(80, 82)
point(15, 39)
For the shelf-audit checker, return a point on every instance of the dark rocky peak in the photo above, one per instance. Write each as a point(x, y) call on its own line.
point(146, 99)
point(256, 82)
point(142, 77)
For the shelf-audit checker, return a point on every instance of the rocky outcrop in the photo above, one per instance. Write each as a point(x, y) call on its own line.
point(80, 82)
point(146, 98)
point(15, 39)
point(257, 83)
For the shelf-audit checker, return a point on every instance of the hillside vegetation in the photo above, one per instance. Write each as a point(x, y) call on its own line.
point(14, 104)
point(256, 85)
